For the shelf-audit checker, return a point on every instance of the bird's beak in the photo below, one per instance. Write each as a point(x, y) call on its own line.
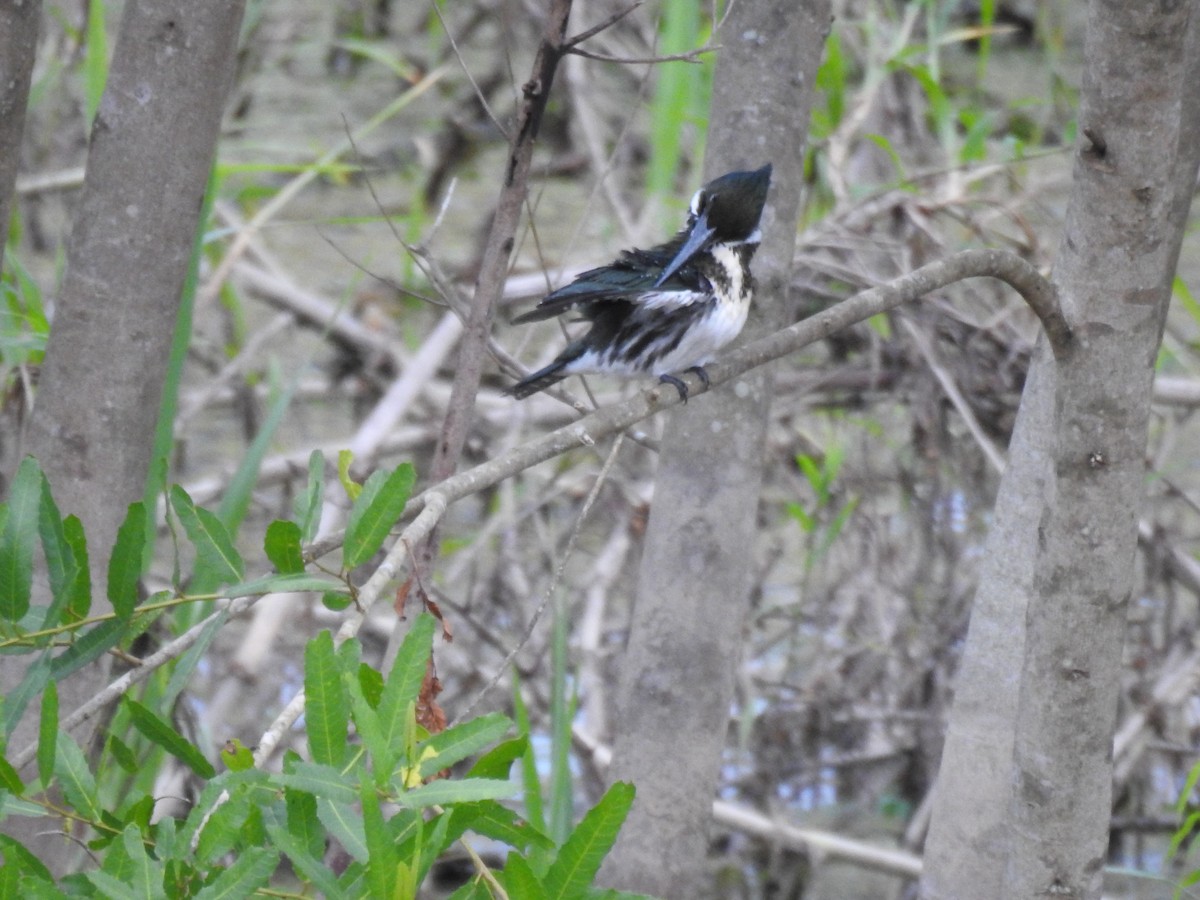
point(698, 238)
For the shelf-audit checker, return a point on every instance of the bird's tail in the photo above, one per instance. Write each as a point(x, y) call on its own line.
point(539, 380)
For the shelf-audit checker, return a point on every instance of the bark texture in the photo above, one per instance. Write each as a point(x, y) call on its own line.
point(672, 706)
point(1024, 795)
point(151, 150)
point(18, 44)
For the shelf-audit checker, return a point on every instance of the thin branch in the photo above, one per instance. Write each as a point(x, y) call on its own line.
point(603, 26)
point(610, 420)
point(691, 56)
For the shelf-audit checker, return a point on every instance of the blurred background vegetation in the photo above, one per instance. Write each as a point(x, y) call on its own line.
point(363, 151)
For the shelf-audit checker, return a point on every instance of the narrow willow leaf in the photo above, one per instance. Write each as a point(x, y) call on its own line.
point(381, 851)
point(404, 680)
point(76, 778)
point(520, 881)
point(10, 778)
point(217, 562)
point(159, 731)
point(440, 793)
point(278, 584)
point(497, 762)
point(79, 596)
point(326, 712)
point(307, 866)
point(376, 512)
point(493, 820)
point(61, 567)
point(308, 504)
point(250, 871)
point(282, 545)
point(321, 781)
point(125, 564)
point(88, 646)
point(31, 685)
point(19, 858)
point(454, 744)
point(48, 734)
point(17, 539)
point(344, 822)
point(580, 856)
point(302, 821)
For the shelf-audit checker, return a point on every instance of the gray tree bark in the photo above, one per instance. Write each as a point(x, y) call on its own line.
point(1024, 795)
point(152, 148)
point(672, 706)
point(18, 44)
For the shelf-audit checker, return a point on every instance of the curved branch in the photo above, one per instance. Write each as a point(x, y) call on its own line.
point(609, 420)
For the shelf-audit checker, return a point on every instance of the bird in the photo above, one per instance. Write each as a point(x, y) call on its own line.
point(670, 308)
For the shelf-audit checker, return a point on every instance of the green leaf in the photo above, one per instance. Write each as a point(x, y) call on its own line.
point(95, 59)
point(182, 673)
point(579, 858)
point(326, 712)
point(343, 822)
point(307, 865)
point(235, 499)
point(10, 778)
point(31, 685)
point(335, 601)
point(321, 781)
point(352, 488)
point(122, 754)
point(18, 858)
point(308, 504)
point(48, 734)
point(475, 889)
point(442, 792)
point(217, 562)
point(61, 567)
point(376, 512)
point(302, 820)
point(146, 877)
point(282, 545)
point(222, 830)
point(497, 762)
point(518, 879)
point(404, 681)
point(88, 646)
point(461, 741)
point(493, 820)
point(17, 538)
point(76, 778)
point(382, 853)
point(159, 731)
point(125, 564)
point(251, 870)
point(279, 584)
point(366, 723)
point(79, 595)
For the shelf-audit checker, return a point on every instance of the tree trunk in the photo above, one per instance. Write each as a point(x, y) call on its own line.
point(18, 44)
point(672, 706)
point(152, 148)
point(1024, 796)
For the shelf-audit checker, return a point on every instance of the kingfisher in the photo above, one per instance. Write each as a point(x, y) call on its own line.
point(668, 309)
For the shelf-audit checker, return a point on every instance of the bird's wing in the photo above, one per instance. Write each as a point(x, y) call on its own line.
point(629, 279)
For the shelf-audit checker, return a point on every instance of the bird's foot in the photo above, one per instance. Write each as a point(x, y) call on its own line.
point(681, 386)
point(702, 374)
point(676, 383)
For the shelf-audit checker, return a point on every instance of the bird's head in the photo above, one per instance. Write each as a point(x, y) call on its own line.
point(726, 210)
